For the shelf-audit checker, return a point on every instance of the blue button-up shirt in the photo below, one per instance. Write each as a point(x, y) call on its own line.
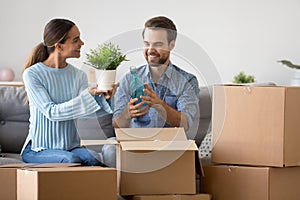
point(178, 88)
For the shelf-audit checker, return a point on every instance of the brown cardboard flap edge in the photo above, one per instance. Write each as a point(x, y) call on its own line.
point(266, 84)
point(150, 134)
point(38, 165)
point(173, 197)
point(188, 145)
point(16, 165)
point(97, 142)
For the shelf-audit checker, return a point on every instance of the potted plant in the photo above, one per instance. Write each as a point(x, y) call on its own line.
point(105, 59)
point(242, 78)
point(296, 79)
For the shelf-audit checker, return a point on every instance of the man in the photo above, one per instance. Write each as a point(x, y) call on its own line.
point(172, 94)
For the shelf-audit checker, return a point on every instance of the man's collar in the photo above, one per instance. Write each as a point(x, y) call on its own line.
point(168, 71)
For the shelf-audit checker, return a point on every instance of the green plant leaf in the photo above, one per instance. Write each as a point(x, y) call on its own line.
point(243, 78)
point(289, 64)
point(106, 56)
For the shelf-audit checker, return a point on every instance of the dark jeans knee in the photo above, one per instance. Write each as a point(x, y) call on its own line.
point(71, 159)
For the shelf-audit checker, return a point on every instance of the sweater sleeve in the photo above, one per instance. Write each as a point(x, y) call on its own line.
point(82, 105)
point(105, 105)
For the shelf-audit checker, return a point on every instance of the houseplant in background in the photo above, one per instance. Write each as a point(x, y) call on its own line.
point(296, 79)
point(242, 78)
point(105, 59)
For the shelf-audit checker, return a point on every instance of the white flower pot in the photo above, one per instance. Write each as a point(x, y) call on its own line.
point(105, 78)
point(296, 78)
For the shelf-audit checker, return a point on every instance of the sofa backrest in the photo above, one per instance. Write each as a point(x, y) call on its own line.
point(14, 118)
point(205, 106)
point(202, 120)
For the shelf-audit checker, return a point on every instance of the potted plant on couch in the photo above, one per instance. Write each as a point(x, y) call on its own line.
point(243, 78)
point(105, 59)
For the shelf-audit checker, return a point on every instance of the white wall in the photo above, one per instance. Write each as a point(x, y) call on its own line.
point(236, 35)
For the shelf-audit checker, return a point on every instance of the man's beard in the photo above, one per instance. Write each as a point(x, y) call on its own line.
point(160, 62)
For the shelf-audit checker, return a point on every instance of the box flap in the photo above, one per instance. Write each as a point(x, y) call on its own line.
point(65, 169)
point(97, 142)
point(41, 165)
point(53, 165)
point(172, 197)
point(150, 134)
point(187, 145)
point(261, 84)
point(15, 165)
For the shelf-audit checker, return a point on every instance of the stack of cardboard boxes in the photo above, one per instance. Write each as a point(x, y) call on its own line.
point(256, 144)
point(154, 163)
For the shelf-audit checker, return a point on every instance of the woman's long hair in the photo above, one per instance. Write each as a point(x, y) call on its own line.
point(56, 31)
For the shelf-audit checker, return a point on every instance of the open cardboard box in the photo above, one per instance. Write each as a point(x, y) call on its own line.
point(155, 161)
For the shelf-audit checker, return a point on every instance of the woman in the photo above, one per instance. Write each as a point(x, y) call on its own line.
point(58, 94)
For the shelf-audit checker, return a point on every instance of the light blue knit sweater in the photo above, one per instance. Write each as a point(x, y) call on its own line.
point(57, 97)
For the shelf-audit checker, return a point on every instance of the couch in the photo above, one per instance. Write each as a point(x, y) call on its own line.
point(14, 123)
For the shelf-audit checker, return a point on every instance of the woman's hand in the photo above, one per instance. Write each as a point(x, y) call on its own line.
point(109, 93)
point(93, 90)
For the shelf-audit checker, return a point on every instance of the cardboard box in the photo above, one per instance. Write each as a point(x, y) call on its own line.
point(155, 161)
point(74, 183)
point(8, 181)
point(8, 177)
point(225, 182)
point(256, 126)
point(173, 197)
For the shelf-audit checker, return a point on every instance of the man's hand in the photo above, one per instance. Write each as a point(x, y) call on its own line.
point(169, 114)
point(151, 99)
point(136, 110)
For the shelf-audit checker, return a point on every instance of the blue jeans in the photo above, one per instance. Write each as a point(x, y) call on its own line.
point(109, 154)
point(80, 155)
